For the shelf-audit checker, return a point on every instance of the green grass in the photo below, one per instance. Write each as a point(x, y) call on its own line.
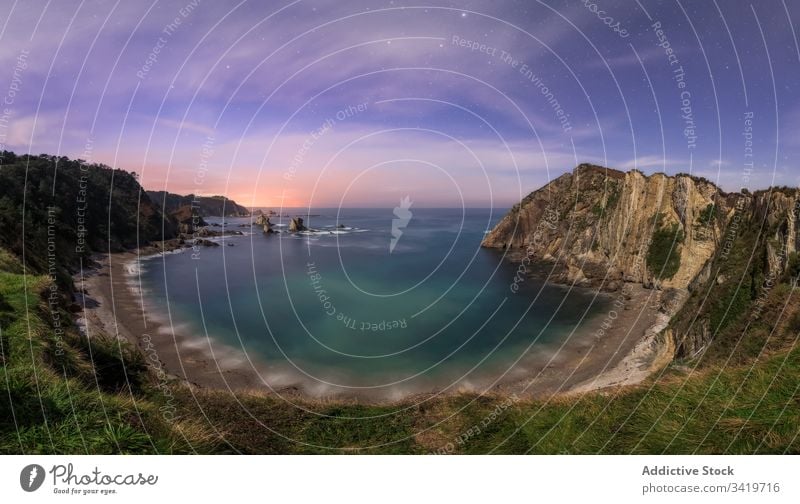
point(707, 215)
point(54, 399)
point(794, 322)
point(731, 304)
point(678, 415)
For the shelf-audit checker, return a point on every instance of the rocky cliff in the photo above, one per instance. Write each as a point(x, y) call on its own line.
point(188, 219)
point(207, 206)
point(681, 234)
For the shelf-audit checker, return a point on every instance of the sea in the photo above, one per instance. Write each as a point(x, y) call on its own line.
point(392, 301)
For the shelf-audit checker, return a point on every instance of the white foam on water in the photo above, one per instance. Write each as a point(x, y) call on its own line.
point(193, 343)
point(132, 268)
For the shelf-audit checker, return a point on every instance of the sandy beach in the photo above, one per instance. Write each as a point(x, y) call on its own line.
point(619, 348)
point(113, 307)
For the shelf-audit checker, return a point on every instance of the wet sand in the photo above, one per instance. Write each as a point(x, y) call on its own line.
point(620, 347)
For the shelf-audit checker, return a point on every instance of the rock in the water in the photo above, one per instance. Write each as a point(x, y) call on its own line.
point(268, 226)
point(296, 224)
point(205, 243)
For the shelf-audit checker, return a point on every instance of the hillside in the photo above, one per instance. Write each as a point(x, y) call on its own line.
point(55, 212)
point(65, 393)
point(207, 206)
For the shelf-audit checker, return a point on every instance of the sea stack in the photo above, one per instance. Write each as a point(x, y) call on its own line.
point(263, 221)
point(267, 226)
point(296, 225)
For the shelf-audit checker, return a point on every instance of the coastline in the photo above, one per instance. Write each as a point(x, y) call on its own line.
point(113, 307)
point(625, 353)
point(621, 349)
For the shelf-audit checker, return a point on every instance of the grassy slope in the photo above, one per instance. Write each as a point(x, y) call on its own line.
point(740, 410)
point(54, 400)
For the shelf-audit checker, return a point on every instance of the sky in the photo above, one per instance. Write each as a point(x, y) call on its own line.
point(361, 103)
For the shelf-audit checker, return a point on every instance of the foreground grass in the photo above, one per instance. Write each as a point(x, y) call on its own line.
point(62, 394)
point(734, 410)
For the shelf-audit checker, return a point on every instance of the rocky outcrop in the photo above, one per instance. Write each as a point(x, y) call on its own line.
point(602, 227)
point(188, 219)
point(778, 210)
point(263, 221)
point(296, 225)
point(207, 206)
point(597, 226)
point(758, 252)
point(205, 243)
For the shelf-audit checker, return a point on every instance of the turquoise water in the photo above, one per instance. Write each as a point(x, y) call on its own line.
point(338, 307)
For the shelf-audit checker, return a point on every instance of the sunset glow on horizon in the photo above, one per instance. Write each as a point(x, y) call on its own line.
point(360, 104)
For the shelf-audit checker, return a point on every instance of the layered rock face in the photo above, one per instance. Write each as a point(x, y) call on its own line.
point(597, 226)
point(601, 227)
point(757, 254)
point(778, 210)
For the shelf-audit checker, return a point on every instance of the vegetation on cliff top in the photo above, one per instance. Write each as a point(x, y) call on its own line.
point(664, 253)
point(55, 211)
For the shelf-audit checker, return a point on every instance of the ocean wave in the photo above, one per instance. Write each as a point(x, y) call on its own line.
point(323, 232)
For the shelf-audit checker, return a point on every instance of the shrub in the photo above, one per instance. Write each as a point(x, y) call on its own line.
point(664, 254)
point(794, 322)
point(793, 266)
point(707, 215)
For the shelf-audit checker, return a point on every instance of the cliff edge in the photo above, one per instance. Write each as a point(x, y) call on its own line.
point(711, 254)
